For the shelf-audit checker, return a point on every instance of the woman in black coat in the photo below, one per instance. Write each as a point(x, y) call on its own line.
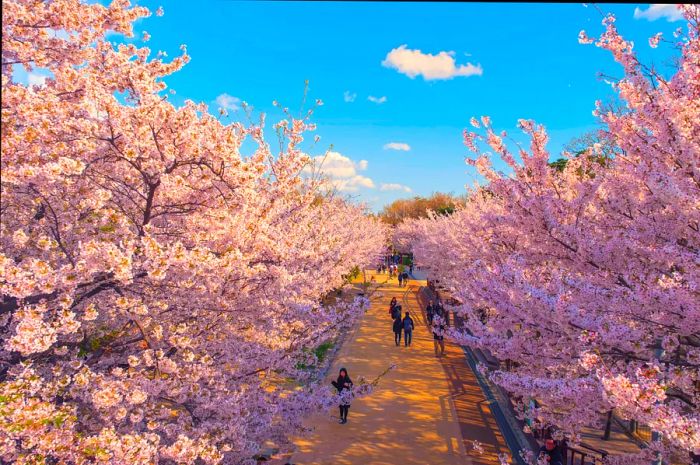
point(343, 383)
point(398, 326)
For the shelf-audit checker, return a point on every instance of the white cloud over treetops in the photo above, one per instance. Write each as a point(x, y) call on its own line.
point(341, 171)
point(397, 146)
point(659, 10)
point(394, 187)
point(414, 63)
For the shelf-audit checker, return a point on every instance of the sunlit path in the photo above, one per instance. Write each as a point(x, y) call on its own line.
point(424, 412)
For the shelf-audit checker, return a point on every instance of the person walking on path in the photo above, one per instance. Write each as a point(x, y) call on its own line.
point(392, 306)
point(411, 268)
point(343, 383)
point(400, 279)
point(398, 327)
point(430, 313)
point(407, 329)
point(438, 326)
point(405, 278)
point(396, 312)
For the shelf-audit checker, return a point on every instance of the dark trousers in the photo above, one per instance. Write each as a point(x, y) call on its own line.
point(397, 338)
point(407, 333)
point(344, 412)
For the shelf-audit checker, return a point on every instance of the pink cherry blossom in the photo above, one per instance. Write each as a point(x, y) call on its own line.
point(160, 290)
point(586, 277)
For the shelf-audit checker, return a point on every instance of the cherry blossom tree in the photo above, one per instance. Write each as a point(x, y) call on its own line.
point(587, 274)
point(160, 289)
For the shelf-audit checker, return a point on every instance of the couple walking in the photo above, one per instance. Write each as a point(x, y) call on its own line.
point(404, 324)
point(403, 279)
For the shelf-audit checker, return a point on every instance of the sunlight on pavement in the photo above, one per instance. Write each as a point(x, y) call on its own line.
point(426, 411)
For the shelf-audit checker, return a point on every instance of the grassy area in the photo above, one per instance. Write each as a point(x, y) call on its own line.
point(320, 352)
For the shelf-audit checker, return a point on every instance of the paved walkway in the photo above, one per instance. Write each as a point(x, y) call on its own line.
point(426, 411)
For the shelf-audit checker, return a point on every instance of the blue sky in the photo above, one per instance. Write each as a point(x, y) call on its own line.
point(530, 61)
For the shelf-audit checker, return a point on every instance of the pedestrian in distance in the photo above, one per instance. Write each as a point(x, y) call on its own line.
point(430, 313)
point(400, 279)
point(438, 326)
point(343, 383)
point(392, 306)
point(411, 268)
point(405, 278)
point(398, 327)
point(551, 453)
point(407, 329)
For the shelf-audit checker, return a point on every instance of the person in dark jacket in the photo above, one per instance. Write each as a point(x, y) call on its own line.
point(396, 312)
point(343, 383)
point(551, 453)
point(438, 326)
point(407, 329)
point(398, 327)
point(430, 312)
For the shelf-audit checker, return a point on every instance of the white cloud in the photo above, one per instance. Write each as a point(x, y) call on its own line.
point(348, 97)
point(341, 171)
point(36, 79)
point(394, 187)
point(377, 100)
point(397, 146)
point(352, 184)
point(413, 63)
point(659, 10)
point(228, 102)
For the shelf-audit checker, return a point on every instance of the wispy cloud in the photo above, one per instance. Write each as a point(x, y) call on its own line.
point(397, 146)
point(228, 102)
point(377, 100)
point(659, 10)
point(341, 171)
point(414, 63)
point(394, 187)
point(348, 97)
